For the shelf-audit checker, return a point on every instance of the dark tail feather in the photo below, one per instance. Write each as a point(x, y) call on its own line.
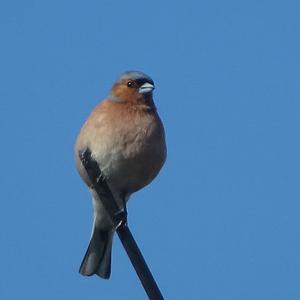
point(97, 259)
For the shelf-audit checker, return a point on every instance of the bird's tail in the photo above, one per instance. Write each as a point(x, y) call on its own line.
point(97, 259)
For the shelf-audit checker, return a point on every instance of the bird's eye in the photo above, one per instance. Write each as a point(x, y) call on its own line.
point(129, 83)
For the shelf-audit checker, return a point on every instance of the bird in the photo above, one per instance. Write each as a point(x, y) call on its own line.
point(126, 138)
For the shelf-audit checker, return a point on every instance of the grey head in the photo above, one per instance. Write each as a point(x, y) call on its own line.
point(138, 80)
point(132, 86)
point(137, 76)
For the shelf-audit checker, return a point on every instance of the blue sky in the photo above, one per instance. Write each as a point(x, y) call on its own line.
point(221, 221)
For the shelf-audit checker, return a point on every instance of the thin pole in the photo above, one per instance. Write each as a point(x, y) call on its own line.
point(118, 218)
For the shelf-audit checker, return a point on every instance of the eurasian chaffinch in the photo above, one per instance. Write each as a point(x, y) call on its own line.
point(126, 137)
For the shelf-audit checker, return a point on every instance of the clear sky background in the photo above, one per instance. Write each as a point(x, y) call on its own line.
point(221, 221)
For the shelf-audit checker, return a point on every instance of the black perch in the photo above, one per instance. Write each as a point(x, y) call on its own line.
point(119, 219)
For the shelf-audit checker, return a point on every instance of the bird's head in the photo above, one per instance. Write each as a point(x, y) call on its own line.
point(133, 86)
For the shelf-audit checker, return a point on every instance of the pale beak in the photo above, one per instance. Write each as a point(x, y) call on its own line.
point(146, 88)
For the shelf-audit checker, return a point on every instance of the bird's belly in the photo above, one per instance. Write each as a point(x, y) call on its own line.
point(130, 165)
point(129, 173)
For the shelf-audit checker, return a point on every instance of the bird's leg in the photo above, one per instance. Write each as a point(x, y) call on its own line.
point(122, 214)
point(121, 218)
point(125, 209)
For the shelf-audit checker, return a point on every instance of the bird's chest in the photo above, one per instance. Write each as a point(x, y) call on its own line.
point(131, 154)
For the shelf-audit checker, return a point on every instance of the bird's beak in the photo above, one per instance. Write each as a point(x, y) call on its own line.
point(146, 88)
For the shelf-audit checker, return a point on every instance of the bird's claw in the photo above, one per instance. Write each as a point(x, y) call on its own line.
point(84, 156)
point(121, 218)
point(100, 178)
